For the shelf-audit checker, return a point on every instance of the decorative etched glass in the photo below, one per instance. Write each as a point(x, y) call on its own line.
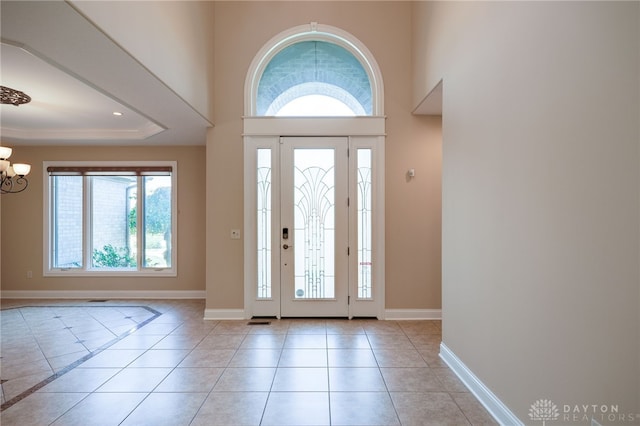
point(314, 223)
point(264, 223)
point(364, 224)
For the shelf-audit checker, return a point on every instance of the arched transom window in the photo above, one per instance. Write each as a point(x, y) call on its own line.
point(314, 72)
point(314, 78)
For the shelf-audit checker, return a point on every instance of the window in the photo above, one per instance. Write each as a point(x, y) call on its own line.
point(110, 219)
point(315, 106)
point(264, 209)
point(314, 78)
point(365, 223)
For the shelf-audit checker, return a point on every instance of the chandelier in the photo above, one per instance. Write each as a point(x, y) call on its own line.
point(13, 97)
point(12, 176)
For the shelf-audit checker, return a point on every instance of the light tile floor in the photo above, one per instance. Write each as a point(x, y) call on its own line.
point(157, 362)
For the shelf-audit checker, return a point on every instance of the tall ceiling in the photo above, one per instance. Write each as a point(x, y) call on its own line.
point(77, 77)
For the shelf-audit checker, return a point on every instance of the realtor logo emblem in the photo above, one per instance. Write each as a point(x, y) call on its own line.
point(543, 410)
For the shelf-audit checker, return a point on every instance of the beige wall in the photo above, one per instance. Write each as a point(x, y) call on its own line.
point(172, 39)
point(540, 194)
point(412, 208)
point(22, 222)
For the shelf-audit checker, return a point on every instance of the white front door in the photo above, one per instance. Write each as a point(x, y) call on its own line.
point(314, 226)
point(314, 219)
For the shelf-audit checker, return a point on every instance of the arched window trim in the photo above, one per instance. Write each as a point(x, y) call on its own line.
point(310, 32)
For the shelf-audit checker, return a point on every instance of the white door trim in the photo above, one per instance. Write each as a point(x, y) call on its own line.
point(263, 132)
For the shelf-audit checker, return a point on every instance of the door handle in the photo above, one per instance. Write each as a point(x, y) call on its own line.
point(286, 246)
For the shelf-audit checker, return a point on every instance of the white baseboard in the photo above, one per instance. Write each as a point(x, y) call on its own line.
point(224, 314)
point(390, 314)
point(102, 294)
point(413, 314)
point(488, 399)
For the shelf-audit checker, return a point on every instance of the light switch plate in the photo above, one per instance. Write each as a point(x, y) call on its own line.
point(235, 234)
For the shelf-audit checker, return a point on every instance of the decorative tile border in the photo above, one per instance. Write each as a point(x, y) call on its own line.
point(85, 358)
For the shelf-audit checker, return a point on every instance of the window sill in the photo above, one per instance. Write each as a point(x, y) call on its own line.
point(113, 274)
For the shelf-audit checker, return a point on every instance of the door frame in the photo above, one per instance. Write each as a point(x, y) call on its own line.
point(265, 132)
point(338, 305)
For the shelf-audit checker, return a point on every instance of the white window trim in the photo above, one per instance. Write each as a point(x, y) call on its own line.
point(48, 271)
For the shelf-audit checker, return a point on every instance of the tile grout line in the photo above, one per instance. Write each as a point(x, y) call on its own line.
point(326, 345)
point(416, 340)
point(76, 363)
point(224, 369)
point(172, 370)
point(266, 403)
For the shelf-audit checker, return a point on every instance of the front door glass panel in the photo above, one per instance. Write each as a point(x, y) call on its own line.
point(314, 222)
